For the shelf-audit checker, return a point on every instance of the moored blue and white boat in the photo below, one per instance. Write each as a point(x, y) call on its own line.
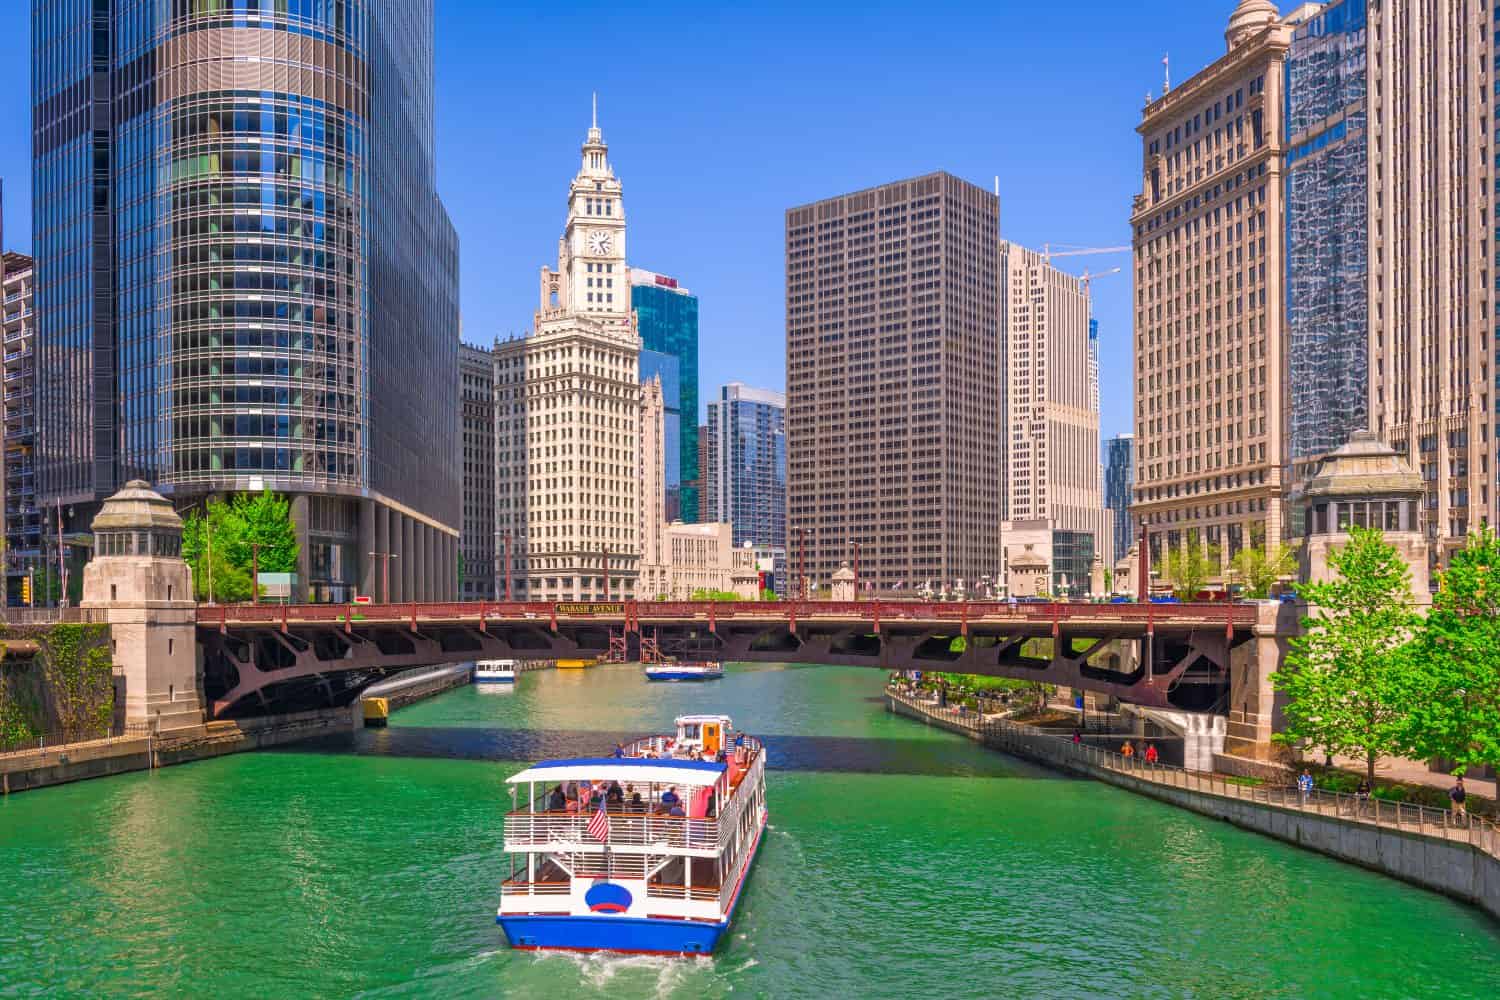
point(684, 671)
point(495, 672)
point(658, 865)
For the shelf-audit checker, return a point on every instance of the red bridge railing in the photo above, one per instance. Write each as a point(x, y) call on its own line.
point(1228, 614)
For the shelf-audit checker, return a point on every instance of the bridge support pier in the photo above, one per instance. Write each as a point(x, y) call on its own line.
point(1252, 700)
point(140, 581)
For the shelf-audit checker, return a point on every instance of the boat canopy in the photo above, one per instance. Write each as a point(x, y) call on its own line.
point(626, 770)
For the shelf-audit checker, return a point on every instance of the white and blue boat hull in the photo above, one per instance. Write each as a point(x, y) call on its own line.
point(609, 932)
point(669, 674)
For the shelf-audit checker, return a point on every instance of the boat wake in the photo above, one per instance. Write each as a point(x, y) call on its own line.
point(598, 970)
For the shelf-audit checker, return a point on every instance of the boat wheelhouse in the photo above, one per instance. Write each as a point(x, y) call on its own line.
point(495, 672)
point(684, 671)
point(658, 865)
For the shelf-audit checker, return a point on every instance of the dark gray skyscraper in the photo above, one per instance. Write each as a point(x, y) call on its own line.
point(245, 278)
point(892, 368)
point(1119, 478)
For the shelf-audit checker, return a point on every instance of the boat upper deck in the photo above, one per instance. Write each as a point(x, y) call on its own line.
point(645, 787)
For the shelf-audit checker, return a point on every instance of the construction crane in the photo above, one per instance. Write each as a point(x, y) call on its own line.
point(1086, 278)
point(1048, 254)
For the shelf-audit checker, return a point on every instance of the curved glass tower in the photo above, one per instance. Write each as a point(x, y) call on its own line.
point(245, 276)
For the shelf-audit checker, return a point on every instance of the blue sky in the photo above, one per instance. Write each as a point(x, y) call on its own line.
point(720, 117)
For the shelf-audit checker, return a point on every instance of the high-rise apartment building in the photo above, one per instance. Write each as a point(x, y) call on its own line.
point(23, 522)
point(893, 415)
point(1209, 243)
point(568, 399)
point(1433, 353)
point(245, 278)
point(745, 477)
point(476, 385)
point(1051, 466)
point(667, 317)
point(1119, 479)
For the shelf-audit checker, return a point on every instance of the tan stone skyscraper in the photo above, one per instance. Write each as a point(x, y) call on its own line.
point(1432, 281)
point(1208, 237)
point(893, 413)
point(567, 402)
point(1051, 391)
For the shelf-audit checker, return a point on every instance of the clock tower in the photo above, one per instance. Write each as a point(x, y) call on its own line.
point(568, 410)
point(594, 280)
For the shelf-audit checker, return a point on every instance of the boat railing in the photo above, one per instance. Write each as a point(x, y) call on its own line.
point(520, 887)
point(699, 894)
point(528, 829)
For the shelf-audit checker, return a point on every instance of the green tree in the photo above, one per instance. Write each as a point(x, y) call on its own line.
point(1455, 698)
point(1188, 568)
point(265, 520)
point(714, 595)
point(1109, 581)
point(1259, 568)
point(218, 543)
point(1348, 675)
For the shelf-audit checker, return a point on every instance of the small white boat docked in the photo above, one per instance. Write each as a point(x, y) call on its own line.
point(646, 851)
point(684, 671)
point(495, 672)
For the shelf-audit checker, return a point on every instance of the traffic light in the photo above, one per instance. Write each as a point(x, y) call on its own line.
point(26, 590)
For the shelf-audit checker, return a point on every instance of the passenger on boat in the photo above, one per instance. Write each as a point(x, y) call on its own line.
point(669, 797)
point(616, 795)
point(619, 750)
point(557, 801)
point(676, 810)
point(636, 804)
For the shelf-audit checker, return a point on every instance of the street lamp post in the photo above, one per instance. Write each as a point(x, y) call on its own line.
point(255, 572)
point(385, 597)
point(507, 567)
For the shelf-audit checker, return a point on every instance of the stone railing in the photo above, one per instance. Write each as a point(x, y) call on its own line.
point(1023, 741)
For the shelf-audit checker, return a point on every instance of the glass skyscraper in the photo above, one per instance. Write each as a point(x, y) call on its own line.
point(245, 278)
point(1119, 479)
point(655, 364)
point(668, 318)
point(1327, 233)
point(745, 482)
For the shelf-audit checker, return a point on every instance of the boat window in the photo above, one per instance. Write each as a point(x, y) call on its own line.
point(690, 730)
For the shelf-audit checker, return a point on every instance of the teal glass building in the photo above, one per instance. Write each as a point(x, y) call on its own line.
point(245, 277)
point(668, 317)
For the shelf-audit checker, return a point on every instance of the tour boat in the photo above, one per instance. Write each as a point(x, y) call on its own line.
point(658, 875)
point(495, 672)
point(684, 671)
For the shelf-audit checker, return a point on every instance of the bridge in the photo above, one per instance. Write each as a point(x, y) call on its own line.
point(268, 659)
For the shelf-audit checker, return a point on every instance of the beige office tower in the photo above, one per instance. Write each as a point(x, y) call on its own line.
point(1431, 280)
point(652, 456)
point(1208, 242)
point(1052, 412)
point(893, 416)
point(567, 472)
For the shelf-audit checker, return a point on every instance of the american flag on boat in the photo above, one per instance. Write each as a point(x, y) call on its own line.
point(599, 825)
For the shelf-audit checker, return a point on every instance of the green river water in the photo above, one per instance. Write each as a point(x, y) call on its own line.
point(902, 861)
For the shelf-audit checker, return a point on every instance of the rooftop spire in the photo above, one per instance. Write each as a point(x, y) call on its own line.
point(595, 136)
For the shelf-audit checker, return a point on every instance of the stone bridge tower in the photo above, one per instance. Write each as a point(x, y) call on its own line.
point(140, 581)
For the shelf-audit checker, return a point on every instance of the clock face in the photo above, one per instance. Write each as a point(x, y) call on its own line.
point(600, 243)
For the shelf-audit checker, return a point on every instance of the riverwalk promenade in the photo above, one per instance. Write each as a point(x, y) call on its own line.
point(1423, 846)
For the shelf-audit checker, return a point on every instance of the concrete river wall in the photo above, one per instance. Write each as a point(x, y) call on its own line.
point(1424, 847)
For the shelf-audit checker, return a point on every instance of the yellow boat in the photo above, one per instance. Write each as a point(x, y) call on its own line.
point(576, 664)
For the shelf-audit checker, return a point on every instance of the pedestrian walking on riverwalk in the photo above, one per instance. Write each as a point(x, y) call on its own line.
point(1459, 797)
point(1305, 785)
point(1362, 796)
point(1151, 754)
point(1127, 750)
